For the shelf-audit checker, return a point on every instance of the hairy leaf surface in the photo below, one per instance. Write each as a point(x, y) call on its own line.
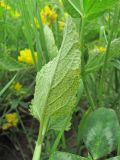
point(58, 81)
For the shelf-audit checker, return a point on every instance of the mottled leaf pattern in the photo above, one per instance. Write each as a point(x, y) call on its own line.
point(101, 132)
point(66, 156)
point(57, 83)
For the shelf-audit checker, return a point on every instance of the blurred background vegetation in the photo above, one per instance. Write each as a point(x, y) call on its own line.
point(30, 36)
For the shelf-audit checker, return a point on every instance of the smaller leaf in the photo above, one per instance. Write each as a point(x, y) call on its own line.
point(50, 42)
point(101, 132)
point(66, 156)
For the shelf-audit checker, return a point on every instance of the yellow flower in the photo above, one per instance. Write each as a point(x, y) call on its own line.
point(17, 86)
point(11, 121)
point(2, 4)
point(61, 25)
point(26, 56)
point(6, 126)
point(48, 15)
point(12, 118)
point(101, 49)
point(36, 23)
point(61, 2)
point(15, 14)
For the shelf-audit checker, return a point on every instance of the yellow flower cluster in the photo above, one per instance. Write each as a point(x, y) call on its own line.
point(17, 86)
point(11, 121)
point(2, 4)
point(61, 25)
point(62, 21)
point(100, 49)
point(26, 56)
point(48, 15)
point(15, 13)
point(36, 23)
point(61, 2)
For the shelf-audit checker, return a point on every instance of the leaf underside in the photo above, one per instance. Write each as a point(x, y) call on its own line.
point(57, 82)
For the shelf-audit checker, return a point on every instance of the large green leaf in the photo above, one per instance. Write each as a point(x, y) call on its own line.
point(66, 156)
point(101, 132)
point(10, 64)
point(88, 8)
point(50, 42)
point(58, 81)
point(93, 8)
point(114, 158)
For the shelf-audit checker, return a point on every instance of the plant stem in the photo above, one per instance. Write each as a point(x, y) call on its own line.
point(7, 85)
point(41, 135)
point(60, 134)
point(90, 99)
point(83, 63)
point(63, 142)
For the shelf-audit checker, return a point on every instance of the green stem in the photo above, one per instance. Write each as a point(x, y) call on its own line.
point(7, 85)
point(90, 99)
point(41, 135)
point(118, 148)
point(63, 142)
point(37, 152)
point(82, 43)
point(83, 64)
point(103, 74)
point(60, 134)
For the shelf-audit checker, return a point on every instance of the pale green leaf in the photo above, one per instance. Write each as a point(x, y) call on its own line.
point(50, 42)
point(66, 156)
point(101, 132)
point(58, 81)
